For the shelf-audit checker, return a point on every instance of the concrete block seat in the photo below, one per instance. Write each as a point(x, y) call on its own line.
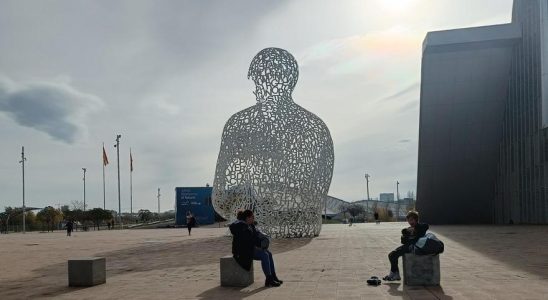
point(232, 274)
point(87, 271)
point(421, 269)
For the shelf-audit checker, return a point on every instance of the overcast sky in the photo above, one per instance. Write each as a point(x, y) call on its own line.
point(167, 75)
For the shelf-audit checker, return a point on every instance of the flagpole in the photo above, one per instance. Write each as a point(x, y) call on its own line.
point(130, 184)
point(104, 192)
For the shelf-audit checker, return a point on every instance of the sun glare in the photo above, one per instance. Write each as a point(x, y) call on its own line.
point(394, 5)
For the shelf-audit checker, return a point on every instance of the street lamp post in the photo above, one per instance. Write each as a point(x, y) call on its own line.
point(158, 202)
point(398, 200)
point(118, 136)
point(367, 185)
point(23, 159)
point(84, 169)
point(325, 208)
point(130, 184)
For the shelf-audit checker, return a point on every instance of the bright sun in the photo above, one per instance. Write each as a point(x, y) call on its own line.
point(395, 5)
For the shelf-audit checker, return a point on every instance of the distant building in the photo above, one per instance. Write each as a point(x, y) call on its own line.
point(333, 206)
point(386, 197)
point(406, 204)
point(483, 129)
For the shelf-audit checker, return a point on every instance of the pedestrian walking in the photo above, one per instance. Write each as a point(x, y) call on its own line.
point(69, 226)
point(190, 221)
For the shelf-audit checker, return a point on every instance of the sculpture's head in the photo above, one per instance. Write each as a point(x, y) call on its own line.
point(275, 73)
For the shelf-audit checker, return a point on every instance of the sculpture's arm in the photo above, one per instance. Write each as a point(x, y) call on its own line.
point(329, 156)
point(229, 190)
point(326, 159)
point(226, 154)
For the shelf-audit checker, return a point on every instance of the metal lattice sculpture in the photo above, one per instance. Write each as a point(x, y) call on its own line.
point(276, 158)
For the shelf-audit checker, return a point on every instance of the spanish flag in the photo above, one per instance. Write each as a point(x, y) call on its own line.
point(105, 158)
point(130, 161)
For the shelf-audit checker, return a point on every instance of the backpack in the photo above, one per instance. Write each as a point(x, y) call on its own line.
point(264, 240)
point(429, 244)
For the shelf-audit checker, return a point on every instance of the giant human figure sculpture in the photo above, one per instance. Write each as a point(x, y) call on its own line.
point(276, 158)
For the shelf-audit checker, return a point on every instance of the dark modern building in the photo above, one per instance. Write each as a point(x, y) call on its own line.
point(483, 142)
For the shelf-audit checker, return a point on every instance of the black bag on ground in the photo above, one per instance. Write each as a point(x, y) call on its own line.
point(428, 244)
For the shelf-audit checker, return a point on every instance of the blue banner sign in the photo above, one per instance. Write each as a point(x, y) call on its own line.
point(196, 200)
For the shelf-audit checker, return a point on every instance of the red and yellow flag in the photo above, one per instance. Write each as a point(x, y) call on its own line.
point(105, 158)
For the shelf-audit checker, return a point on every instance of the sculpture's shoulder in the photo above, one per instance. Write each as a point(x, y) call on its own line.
point(240, 120)
point(310, 123)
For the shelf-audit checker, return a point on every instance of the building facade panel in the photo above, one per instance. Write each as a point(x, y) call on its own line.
point(521, 177)
point(464, 92)
point(544, 53)
point(483, 141)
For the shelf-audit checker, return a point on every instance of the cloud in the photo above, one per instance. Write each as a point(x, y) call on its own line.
point(411, 88)
point(55, 108)
point(160, 103)
point(411, 105)
point(355, 53)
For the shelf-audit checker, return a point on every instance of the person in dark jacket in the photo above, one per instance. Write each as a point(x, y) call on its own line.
point(190, 221)
point(69, 226)
point(246, 247)
point(409, 237)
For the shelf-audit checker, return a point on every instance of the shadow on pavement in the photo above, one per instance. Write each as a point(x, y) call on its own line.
point(417, 292)
point(220, 292)
point(52, 280)
point(519, 246)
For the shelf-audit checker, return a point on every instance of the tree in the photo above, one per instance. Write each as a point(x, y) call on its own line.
point(77, 205)
point(50, 216)
point(76, 215)
point(128, 218)
point(14, 216)
point(30, 220)
point(97, 216)
point(355, 210)
point(144, 215)
point(4, 218)
point(374, 207)
point(167, 215)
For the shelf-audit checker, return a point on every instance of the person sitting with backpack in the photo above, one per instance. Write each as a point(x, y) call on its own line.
point(250, 244)
point(410, 236)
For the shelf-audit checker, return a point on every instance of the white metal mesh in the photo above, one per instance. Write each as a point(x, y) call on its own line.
point(276, 158)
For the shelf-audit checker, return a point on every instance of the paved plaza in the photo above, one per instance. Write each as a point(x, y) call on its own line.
point(480, 262)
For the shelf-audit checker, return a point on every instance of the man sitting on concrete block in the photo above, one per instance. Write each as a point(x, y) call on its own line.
point(250, 244)
point(409, 237)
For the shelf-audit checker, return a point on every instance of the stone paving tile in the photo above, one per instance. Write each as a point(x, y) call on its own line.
point(480, 262)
